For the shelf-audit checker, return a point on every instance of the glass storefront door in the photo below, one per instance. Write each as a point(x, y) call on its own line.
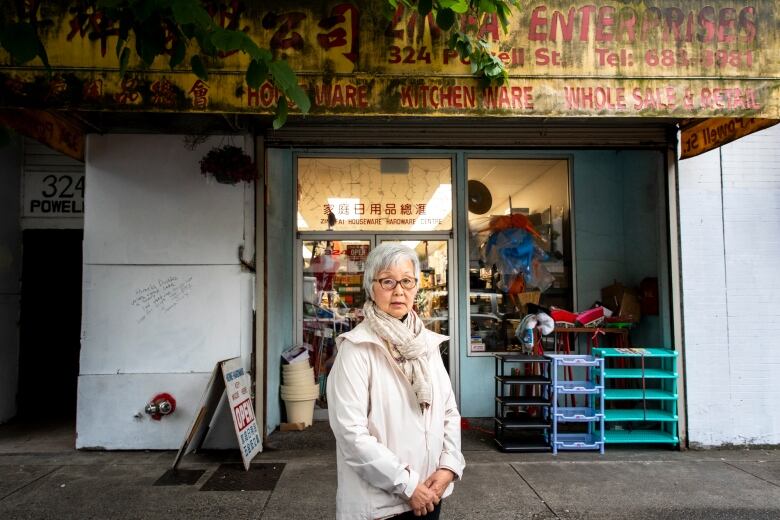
point(347, 205)
point(333, 295)
point(433, 297)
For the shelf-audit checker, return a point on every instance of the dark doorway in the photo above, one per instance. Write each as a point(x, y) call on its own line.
point(50, 327)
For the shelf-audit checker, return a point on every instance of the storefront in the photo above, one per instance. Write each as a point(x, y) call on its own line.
point(601, 217)
point(578, 150)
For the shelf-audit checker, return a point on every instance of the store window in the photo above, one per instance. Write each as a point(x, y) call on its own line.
point(346, 207)
point(374, 194)
point(333, 294)
point(519, 246)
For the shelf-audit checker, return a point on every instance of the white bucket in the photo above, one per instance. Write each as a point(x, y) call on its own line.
point(307, 370)
point(305, 379)
point(296, 366)
point(300, 392)
point(300, 411)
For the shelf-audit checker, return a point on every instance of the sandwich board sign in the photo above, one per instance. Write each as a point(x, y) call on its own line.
point(228, 378)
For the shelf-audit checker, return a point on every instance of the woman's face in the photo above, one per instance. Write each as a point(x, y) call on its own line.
point(398, 301)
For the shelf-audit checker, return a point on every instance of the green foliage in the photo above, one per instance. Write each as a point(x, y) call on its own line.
point(256, 73)
point(147, 21)
point(198, 68)
point(280, 117)
point(22, 42)
point(448, 13)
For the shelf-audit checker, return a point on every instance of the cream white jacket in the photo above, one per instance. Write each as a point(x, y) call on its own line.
point(385, 445)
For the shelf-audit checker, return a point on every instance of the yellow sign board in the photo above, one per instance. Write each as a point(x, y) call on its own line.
point(52, 129)
point(654, 58)
point(712, 133)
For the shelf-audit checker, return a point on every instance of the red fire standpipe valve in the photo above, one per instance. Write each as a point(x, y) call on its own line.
point(161, 404)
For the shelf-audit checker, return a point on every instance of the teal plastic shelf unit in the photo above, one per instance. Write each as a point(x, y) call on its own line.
point(638, 373)
point(641, 387)
point(639, 415)
point(640, 437)
point(624, 394)
point(635, 352)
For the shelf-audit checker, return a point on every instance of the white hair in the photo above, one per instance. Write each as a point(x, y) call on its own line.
point(384, 256)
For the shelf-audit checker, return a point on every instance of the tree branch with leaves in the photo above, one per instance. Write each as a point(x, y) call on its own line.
point(142, 26)
point(464, 37)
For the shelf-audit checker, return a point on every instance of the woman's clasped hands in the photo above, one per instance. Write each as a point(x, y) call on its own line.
point(428, 494)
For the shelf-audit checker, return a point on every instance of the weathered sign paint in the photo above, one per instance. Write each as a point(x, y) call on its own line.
point(657, 58)
point(49, 128)
point(712, 133)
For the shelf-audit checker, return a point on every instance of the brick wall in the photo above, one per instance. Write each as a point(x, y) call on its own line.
point(730, 249)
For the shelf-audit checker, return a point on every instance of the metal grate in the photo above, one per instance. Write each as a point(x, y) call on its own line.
point(232, 477)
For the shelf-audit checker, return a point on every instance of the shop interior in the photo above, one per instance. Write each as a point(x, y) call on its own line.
point(576, 236)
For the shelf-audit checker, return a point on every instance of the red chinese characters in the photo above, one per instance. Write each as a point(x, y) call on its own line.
point(199, 94)
point(286, 35)
point(341, 30)
point(339, 36)
point(87, 20)
point(163, 93)
point(92, 90)
point(128, 94)
point(228, 16)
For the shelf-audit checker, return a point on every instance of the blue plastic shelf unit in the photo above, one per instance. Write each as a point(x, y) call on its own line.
point(591, 388)
point(641, 394)
point(522, 407)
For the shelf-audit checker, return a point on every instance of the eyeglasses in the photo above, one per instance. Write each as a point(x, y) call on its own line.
point(388, 284)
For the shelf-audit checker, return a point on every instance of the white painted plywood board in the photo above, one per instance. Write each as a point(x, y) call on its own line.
point(111, 412)
point(729, 236)
point(704, 298)
point(160, 319)
point(147, 203)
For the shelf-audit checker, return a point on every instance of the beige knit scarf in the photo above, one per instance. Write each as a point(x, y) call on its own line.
point(405, 337)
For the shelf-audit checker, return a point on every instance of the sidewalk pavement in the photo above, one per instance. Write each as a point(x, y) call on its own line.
point(42, 476)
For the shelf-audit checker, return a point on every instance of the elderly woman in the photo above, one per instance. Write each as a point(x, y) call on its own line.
point(390, 402)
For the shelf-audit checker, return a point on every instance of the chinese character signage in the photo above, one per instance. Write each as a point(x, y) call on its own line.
point(356, 194)
point(654, 58)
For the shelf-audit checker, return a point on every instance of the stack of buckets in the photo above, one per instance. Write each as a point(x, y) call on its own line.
point(299, 392)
